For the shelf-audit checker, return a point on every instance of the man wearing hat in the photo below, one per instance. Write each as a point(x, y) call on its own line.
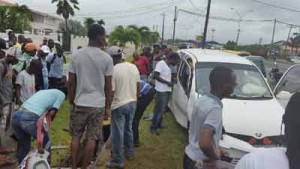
point(125, 82)
point(41, 79)
point(29, 52)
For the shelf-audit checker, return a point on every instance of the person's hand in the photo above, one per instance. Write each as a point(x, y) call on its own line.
point(107, 113)
point(170, 84)
point(52, 114)
point(40, 150)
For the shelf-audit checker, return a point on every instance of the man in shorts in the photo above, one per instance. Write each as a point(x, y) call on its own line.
point(90, 93)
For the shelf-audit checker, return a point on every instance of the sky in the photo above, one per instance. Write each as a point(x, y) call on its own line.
point(149, 13)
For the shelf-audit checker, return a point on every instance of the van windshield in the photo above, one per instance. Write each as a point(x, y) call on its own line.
point(250, 82)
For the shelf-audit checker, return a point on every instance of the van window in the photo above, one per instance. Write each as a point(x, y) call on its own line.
point(185, 76)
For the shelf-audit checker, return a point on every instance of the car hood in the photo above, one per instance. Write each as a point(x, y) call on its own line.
point(256, 118)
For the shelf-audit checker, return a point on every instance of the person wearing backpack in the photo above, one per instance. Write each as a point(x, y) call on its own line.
point(55, 65)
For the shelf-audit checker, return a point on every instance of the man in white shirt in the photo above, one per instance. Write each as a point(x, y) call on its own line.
point(279, 158)
point(125, 82)
point(163, 87)
point(25, 82)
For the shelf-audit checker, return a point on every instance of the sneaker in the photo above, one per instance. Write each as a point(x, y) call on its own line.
point(114, 165)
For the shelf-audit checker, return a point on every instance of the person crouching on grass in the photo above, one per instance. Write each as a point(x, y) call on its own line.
point(24, 120)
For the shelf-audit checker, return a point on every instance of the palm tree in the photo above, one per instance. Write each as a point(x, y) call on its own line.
point(66, 8)
point(88, 22)
point(101, 22)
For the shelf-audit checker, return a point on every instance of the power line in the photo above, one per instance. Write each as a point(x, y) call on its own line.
point(192, 3)
point(224, 18)
point(275, 6)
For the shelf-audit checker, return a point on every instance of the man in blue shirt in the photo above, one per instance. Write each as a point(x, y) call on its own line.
point(147, 93)
point(55, 65)
point(25, 119)
point(205, 129)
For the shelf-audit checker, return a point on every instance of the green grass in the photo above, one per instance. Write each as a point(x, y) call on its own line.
point(156, 152)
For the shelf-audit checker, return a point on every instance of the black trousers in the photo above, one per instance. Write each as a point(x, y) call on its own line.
point(54, 83)
point(142, 104)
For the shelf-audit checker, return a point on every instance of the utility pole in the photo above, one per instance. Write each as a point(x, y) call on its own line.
point(271, 52)
point(238, 35)
point(287, 41)
point(213, 30)
point(174, 29)
point(274, 29)
point(206, 24)
point(163, 29)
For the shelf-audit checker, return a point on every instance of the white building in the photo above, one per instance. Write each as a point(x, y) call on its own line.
point(41, 23)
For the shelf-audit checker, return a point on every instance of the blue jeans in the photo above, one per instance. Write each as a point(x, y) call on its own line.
point(24, 125)
point(161, 103)
point(121, 132)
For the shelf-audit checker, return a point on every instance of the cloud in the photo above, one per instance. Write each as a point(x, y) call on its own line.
point(143, 12)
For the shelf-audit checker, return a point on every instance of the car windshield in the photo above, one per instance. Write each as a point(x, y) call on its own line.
point(250, 82)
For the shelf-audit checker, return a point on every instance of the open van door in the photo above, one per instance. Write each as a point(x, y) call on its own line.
point(288, 85)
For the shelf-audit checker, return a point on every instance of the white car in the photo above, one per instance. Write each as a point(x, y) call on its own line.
point(252, 116)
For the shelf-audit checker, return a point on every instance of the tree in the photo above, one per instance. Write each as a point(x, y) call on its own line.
point(66, 8)
point(230, 45)
point(101, 22)
point(16, 18)
point(147, 37)
point(76, 28)
point(88, 22)
point(121, 36)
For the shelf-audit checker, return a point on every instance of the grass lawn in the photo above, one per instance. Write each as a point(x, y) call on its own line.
point(156, 152)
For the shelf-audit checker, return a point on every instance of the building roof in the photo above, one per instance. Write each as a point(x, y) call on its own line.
point(207, 55)
point(6, 3)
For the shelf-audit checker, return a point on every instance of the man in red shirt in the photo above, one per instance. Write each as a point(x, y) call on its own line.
point(142, 63)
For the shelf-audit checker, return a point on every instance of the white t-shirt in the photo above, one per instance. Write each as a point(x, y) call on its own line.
point(265, 158)
point(166, 74)
point(124, 84)
point(27, 83)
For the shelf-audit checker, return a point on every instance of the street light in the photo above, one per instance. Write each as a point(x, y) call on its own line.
point(241, 16)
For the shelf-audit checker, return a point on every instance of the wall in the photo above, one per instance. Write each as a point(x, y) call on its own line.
point(37, 39)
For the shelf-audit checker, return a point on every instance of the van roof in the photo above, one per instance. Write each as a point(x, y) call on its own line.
point(207, 55)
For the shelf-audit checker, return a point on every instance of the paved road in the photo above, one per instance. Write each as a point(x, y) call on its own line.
point(282, 64)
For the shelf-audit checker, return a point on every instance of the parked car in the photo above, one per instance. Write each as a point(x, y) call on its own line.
point(295, 59)
point(259, 62)
point(252, 116)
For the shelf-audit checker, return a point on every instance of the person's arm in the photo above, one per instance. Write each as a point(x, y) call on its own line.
point(54, 108)
point(158, 78)
point(138, 90)
point(108, 96)
point(18, 94)
point(211, 124)
point(72, 87)
point(206, 145)
point(108, 87)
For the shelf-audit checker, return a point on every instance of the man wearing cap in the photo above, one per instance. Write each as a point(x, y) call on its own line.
point(90, 93)
point(42, 81)
point(125, 82)
point(29, 52)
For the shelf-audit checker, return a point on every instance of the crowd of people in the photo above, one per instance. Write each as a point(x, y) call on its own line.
point(101, 85)
point(25, 70)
